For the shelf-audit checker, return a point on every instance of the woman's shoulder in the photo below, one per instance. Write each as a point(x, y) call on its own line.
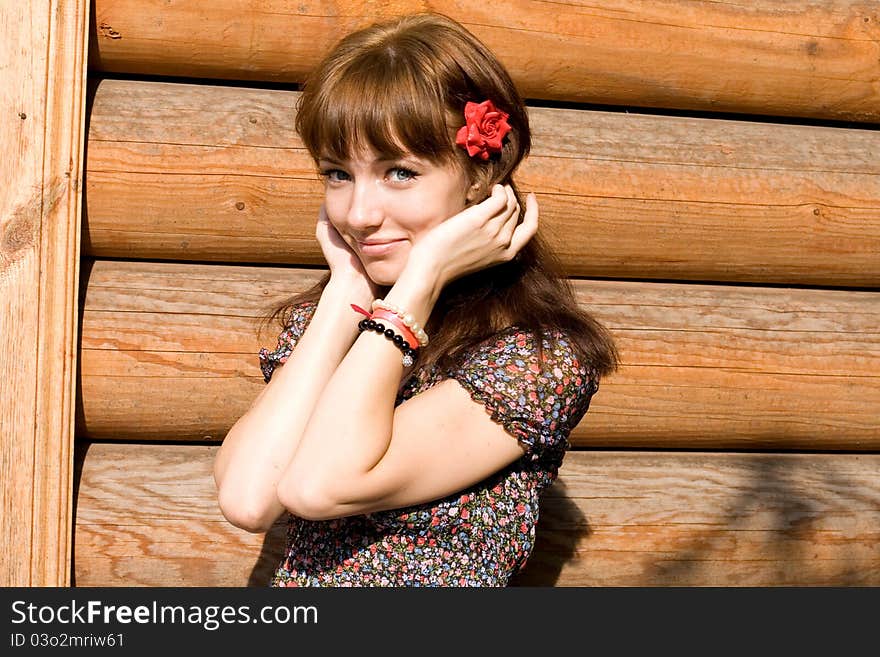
point(520, 350)
point(295, 321)
point(537, 395)
point(547, 389)
point(300, 312)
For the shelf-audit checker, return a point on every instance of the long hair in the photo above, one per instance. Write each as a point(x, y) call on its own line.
point(400, 86)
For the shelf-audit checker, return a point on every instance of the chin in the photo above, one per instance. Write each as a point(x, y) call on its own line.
point(383, 282)
point(385, 271)
point(383, 276)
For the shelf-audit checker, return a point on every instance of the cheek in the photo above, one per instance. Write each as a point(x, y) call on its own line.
point(336, 215)
point(456, 200)
point(437, 209)
point(335, 208)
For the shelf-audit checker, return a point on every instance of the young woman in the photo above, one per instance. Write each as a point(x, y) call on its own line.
point(421, 396)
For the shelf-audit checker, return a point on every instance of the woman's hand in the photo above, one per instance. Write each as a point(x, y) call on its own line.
point(345, 266)
point(478, 237)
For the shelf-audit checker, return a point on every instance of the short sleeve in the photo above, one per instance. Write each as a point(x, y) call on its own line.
point(300, 316)
point(537, 405)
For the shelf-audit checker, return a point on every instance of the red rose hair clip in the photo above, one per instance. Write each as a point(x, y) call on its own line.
point(484, 129)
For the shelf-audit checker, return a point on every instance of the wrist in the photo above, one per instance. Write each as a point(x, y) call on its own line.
point(349, 290)
point(415, 293)
point(421, 281)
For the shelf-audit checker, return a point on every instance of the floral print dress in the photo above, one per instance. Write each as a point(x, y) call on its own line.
point(480, 536)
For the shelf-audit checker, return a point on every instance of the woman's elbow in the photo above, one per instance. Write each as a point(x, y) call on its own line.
point(307, 499)
point(245, 513)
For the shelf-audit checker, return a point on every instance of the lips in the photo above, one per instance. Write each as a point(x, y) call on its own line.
point(378, 247)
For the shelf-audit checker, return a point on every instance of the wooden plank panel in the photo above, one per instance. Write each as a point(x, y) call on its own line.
point(169, 351)
point(43, 56)
point(704, 519)
point(196, 172)
point(147, 516)
point(165, 528)
point(804, 58)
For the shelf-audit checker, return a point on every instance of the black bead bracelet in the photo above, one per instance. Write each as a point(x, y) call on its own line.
point(409, 354)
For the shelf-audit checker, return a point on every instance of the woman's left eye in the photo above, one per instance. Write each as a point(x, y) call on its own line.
point(401, 174)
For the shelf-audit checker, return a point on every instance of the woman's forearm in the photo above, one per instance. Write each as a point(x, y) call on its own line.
point(259, 446)
point(350, 428)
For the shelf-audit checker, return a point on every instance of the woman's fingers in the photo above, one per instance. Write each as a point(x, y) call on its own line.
point(512, 217)
point(489, 208)
point(497, 218)
point(527, 229)
point(504, 222)
point(502, 209)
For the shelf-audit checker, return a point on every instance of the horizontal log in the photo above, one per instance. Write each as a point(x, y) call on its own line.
point(147, 516)
point(207, 173)
point(806, 59)
point(168, 351)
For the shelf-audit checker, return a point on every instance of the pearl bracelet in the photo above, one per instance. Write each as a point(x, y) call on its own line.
point(407, 319)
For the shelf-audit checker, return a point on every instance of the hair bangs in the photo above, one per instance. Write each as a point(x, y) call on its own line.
point(380, 103)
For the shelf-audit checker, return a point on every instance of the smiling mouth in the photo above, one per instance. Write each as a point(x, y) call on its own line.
point(379, 248)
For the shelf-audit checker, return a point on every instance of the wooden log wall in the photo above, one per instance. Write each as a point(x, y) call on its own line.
point(725, 227)
point(706, 366)
point(799, 58)
point(613, 519)
point(203, 172)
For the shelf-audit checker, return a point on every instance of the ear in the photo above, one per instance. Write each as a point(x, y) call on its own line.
point(473, 193)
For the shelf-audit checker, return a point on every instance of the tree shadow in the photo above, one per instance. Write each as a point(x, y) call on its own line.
point(783, 519)
point(788, 546)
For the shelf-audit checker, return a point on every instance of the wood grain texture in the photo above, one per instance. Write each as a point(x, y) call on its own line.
point(168, 351)
point(809, 58)
point(43, 54)
point(207, 173)
point(162, 526)
point(710, 519)
point(147, 516)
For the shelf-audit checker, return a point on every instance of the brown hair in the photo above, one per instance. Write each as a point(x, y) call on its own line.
point(401, 86)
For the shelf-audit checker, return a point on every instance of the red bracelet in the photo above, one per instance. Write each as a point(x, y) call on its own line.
point(359, 309)
point(393, 318)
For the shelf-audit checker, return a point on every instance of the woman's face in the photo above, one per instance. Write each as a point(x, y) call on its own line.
point(382, 207)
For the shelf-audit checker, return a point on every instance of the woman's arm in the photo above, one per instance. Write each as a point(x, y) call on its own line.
point(260, 444)
point(348, 432)
point(352, 457)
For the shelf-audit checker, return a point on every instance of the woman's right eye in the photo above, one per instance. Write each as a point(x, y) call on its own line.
point(334, 175)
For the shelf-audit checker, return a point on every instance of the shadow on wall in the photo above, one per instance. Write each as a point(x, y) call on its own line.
point(270, 554)
point(561, 526)
point(752, 520)
point(774, 532)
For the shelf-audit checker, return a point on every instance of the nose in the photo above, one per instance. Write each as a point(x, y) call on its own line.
point(365, 211)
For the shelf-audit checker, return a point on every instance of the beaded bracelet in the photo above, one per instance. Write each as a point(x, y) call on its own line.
point(397, 323)
point(409, 353)
point(407, 318)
